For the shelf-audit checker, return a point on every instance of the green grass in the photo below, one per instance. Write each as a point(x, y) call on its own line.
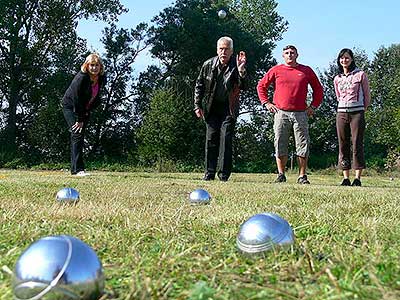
point(154, 245)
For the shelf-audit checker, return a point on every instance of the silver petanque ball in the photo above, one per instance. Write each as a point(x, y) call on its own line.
point(263, 232)
point(58, 267)
point(67, 195)
point(222, 14)
point(199, 196)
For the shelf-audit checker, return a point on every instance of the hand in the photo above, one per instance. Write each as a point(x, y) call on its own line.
point(241, 61)
point(199, 113)
point(77, 127)
point(271, 107)
point(310, 111)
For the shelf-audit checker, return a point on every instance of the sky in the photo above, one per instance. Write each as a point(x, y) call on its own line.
point(318, 28)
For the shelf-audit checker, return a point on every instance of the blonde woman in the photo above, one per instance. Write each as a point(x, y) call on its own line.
point(81, 97)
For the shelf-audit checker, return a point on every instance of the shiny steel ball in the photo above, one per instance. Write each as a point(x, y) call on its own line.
point(58, 267)
point(264, 232)
point(221, 14)
point(67, 195)
point(199, 196)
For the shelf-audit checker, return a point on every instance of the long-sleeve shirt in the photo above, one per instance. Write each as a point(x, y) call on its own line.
point(352, 91)
point(291, 87)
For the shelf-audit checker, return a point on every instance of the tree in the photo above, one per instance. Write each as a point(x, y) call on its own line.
point(33, 35)
point(185, 35)
point(114, 122)
point(168, 132)
point(383, 132)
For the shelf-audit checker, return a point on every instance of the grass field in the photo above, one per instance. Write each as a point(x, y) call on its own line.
point(154, 245)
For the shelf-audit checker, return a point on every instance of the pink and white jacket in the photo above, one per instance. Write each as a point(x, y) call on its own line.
point(352, 91)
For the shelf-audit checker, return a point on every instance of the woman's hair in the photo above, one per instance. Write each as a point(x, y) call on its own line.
point(353, 63)
point(93, 57)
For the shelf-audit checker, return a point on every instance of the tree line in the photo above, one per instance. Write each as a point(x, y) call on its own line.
point(148, 119)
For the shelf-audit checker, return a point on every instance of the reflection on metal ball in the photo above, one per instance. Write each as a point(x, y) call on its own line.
point(222, 14)
point(263, 232)
point(58, 267)
point(199, 196)
point(67, 195)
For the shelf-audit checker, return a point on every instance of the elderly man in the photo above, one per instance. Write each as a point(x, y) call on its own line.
point(290, 107)
point(216, 100)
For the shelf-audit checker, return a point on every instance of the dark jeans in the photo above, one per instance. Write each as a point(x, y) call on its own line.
point(77, 141)
point(351, 126)
point(219, 137)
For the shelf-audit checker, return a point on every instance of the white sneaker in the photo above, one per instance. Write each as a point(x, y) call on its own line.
point(82, 174)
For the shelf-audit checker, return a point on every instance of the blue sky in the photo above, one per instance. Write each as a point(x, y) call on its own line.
point(319, 29)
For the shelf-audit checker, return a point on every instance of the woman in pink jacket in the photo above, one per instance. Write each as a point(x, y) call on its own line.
point(353, 95)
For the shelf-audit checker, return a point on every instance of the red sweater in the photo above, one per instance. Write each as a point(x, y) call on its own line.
point(291, 86)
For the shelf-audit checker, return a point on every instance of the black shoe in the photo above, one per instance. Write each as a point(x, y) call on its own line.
point(208, 177)
point(223, 178)
point(346, 182)
point(281, 178)
point(356, 182)
point(303, 180)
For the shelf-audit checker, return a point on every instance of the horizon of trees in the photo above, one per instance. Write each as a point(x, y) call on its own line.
point(148, 120)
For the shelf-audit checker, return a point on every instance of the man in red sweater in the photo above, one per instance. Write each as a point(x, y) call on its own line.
point(290, 107)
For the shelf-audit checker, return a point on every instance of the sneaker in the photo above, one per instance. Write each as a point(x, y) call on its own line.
point(356, 182)
point(82, 174)
point(346, 182)
point(208, 177)
point(303, 180)
point(223, 178)
point(281, 178)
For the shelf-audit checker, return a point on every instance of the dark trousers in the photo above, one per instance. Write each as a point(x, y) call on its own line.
point(77, 142)
point(219, 137)
point(351, 126)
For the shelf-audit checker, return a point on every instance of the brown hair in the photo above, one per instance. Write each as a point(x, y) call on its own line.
point(90, 58)
point(290, 47)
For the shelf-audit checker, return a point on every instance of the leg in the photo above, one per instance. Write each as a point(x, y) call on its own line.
point(302, 140)
point(302, 165)
point(343, 133)
point(77, 141)
point(282, 127)
point(213, 126)
point(225, 148)
point(357, 126)
point(281, 163)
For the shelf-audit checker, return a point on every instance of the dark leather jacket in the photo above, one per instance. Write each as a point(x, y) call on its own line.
point(206, 84)
point(79, 93)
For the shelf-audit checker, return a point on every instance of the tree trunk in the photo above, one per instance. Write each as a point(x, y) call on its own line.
point(14, 95)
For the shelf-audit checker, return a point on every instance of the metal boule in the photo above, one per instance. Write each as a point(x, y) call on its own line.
point(58, 267)
point(199, 196)
point(263, 232)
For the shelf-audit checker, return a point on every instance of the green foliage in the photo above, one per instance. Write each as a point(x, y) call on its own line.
point(34, 38)
point(254, 145)
point(170, 130)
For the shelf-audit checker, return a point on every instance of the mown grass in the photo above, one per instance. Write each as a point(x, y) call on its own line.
point(154, 245)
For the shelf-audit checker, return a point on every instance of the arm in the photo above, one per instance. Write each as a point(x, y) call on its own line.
point(366, 90)
point(199, 92)
point(262, 86)
point(336, 85)
point(75, 94)
point(243, 80)
point(318, 92)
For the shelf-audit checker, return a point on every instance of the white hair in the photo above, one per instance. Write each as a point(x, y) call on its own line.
point(226, 39)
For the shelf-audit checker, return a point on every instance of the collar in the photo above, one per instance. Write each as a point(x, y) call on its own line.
point(351, 73)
